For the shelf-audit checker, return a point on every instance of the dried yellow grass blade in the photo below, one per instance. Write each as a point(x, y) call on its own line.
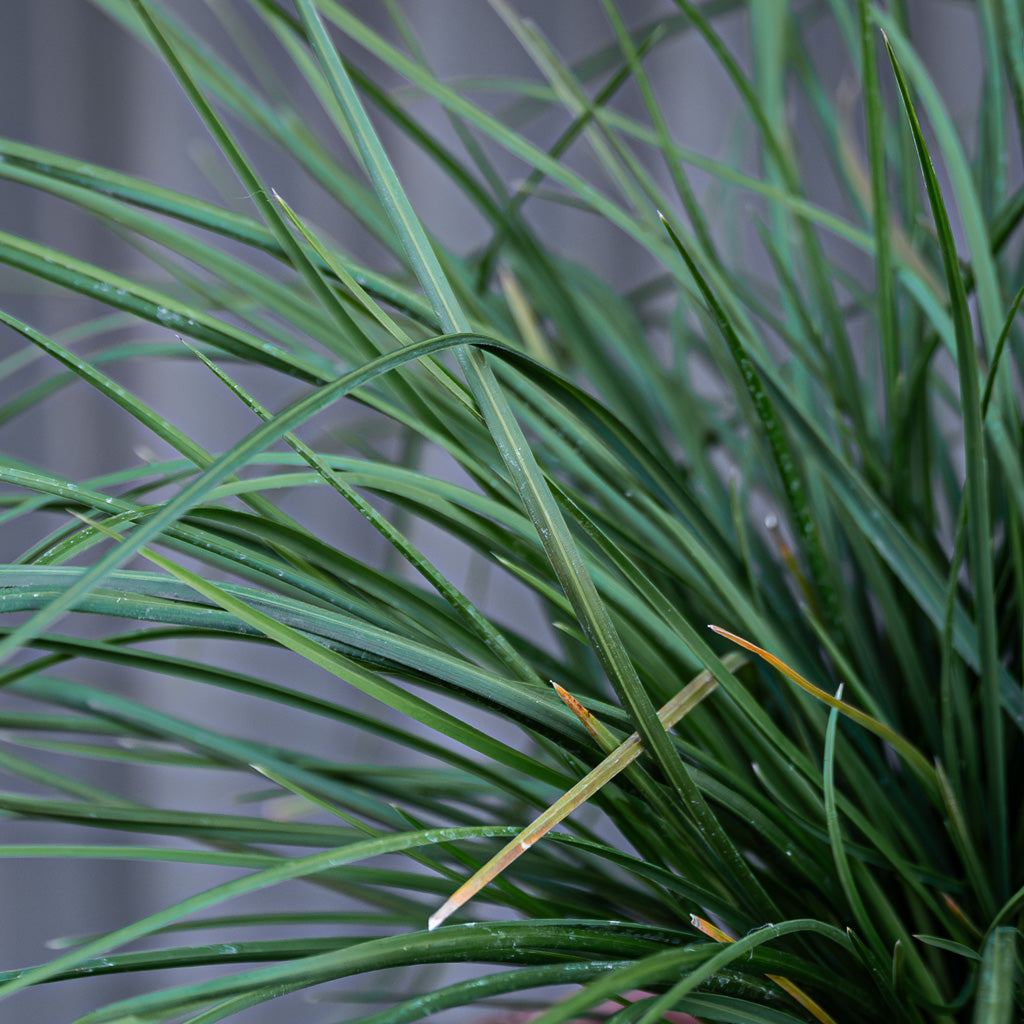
point(902, 746)
point(712, 931)
point(814, 1008)
point(621, 757)
point(810, 1005)
point(587, 720)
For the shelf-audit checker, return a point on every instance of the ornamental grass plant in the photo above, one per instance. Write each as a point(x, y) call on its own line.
point(801, 423)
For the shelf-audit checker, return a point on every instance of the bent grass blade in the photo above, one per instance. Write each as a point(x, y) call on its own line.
point(620, 758)
point(910, 753)
point(814, 1008)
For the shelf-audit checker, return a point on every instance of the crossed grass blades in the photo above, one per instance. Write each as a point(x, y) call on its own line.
point(832, 830)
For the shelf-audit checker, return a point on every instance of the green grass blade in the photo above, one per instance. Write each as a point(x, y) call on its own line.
point(835, 835)
point(480, 625)
point(991, 306)
point(978, 511)
point(995, 1001)
point(784, 462)
point(221, 468)
point(887, 309)
point(507, 434)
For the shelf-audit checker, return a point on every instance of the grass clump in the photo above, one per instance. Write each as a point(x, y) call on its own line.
point(818, 453)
